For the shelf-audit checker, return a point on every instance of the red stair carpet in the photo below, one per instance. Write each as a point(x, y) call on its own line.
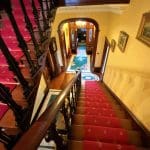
point(100, 123)
point(3, 109)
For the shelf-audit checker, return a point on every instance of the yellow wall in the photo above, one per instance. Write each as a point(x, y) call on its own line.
point(100, 17)
point(136, 54)
point(128, 73)
point(65, 28)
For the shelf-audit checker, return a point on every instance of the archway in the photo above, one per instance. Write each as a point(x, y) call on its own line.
point(91, 48)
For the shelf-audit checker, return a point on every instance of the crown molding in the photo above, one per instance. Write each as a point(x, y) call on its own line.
point(116, 8)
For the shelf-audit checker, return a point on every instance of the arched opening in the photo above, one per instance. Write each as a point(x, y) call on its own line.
point(77, 32)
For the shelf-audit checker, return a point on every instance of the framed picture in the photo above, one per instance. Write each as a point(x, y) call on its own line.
point(144, 29)
point(112, 45)
point(122, 41)
point(53, 45)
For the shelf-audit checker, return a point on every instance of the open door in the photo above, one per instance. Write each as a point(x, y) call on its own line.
point(91, 29)
point(73, 37)
point(104, 57)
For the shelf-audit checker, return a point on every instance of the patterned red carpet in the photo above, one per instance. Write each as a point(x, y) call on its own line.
point(3, 109)
point(100, 123)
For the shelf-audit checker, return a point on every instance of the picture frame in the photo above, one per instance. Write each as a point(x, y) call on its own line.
point(144, 29)
point(53, 45)
point(113, 45)
point(122, 40)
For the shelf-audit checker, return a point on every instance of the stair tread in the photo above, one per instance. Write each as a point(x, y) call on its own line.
point(97, 104)
point(105, 134)
point(99, 118)
point(102, 121)
point(96, 145)
point(100, 112)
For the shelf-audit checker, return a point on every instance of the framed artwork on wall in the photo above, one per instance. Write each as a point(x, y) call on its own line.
point(112, 45)
point(122, 41)
point(144, 29)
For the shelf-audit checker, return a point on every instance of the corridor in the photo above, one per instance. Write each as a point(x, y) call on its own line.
point(82, 61)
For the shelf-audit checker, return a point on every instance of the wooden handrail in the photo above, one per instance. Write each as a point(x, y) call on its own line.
point(33, 137)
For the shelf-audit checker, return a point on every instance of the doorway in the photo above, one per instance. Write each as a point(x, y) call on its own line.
point(81, 37)
point(104, 57)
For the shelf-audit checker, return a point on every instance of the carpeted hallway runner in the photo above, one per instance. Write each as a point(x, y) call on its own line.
point(79, 62)
point(100, 124)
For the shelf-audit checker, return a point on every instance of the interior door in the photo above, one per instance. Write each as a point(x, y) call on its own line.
point(90, 38)
point(73, 37)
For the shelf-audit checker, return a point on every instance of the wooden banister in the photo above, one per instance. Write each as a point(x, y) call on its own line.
point(33, 137)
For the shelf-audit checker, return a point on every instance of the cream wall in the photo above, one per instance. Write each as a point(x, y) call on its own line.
point(128, 74)
point(135, 52)
point(101, 18)
point(67, 37)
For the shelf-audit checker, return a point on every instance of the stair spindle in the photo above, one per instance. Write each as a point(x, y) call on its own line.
point(22, 43)
point(36, 17)
point(52, 134)
point(43, 15)
point(30, 29)
point(13, 65)
point(18, 111)
point(54, 4)
point(48, 9)
point(6, 139)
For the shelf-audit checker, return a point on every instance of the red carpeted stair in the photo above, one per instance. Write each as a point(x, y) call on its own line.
point(100, 123)
point(3, 109)
point(8, 34)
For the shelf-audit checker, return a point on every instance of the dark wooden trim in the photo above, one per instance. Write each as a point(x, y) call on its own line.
point(97, 69)
point(145, 133)
point(63, 53)
point(62, 68)
point(79, 19)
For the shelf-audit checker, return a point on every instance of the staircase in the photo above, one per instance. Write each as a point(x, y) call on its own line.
point(100, 123)
point(24, 42)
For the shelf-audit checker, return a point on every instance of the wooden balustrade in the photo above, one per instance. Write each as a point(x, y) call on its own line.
point(30, 29)
point(19, 112)
point(45, 23)
point(47, 9)
point(22, 43)
point(7, 140)
point(36, 17)
point(46, 124)
point(13, 65)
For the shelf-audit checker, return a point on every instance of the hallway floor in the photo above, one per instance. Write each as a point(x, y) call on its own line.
point(81, 61)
